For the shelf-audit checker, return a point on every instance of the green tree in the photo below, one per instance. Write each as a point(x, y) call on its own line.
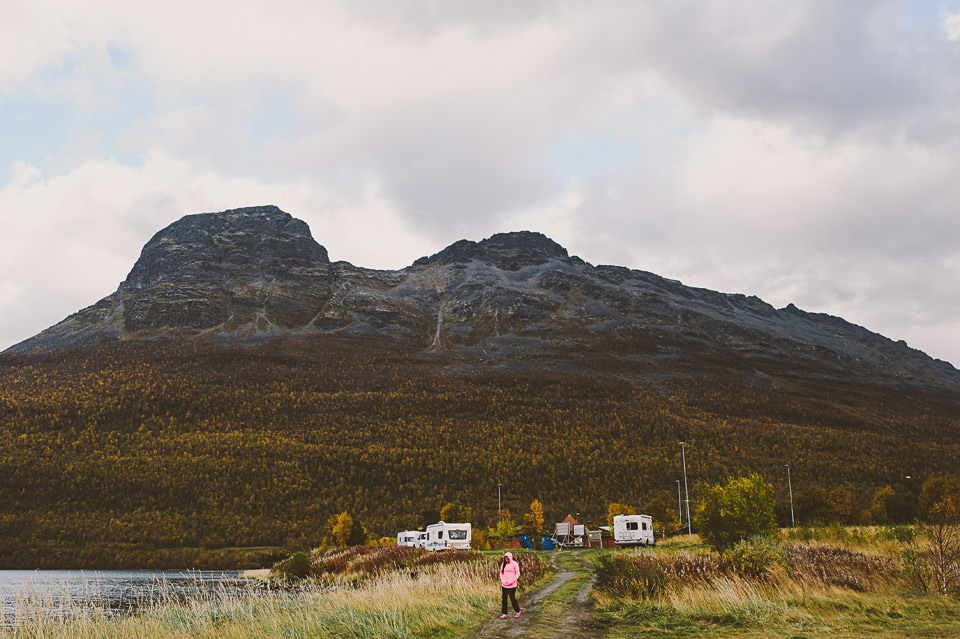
point(936, 491)
point(893, 505)
point(738, 510)
point(455, 512)
point(663, 509)
point(504, 529)
point(841, 506)
point(429, 516)
point(811, 504)
point(879, 505)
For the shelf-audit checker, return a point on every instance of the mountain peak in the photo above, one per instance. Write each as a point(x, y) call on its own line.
point(262, 238)
point(253, 273)
point(509, 251)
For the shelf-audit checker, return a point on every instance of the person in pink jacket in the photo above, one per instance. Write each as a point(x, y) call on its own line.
point(509, 575)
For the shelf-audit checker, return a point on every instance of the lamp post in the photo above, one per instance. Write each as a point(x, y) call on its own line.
point(498, 499)
point(686, 488)
point(793, 523)
point(679, 506)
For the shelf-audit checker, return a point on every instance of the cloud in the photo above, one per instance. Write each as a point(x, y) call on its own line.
point(802, 152)
point(952, 27)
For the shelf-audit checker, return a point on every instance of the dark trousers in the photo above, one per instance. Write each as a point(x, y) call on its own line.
point(512, 593)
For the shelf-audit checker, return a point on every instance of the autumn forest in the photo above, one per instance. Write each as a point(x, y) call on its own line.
point(192, 454)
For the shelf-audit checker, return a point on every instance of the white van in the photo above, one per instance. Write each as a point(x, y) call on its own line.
point(409, 538)
point(629, 530)
point(443, 536)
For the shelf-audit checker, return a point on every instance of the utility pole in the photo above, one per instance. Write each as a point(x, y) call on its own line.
point(793, 523)
point(686, 488)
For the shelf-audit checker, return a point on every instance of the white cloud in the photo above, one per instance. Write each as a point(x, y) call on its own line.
point(803, 152)
point(952, 26)
point(30, 36)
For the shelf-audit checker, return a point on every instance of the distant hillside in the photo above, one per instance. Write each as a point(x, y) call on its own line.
point(239, 389)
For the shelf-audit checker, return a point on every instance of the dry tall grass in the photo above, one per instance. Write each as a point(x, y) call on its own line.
point(395, 605)
point(816, 585)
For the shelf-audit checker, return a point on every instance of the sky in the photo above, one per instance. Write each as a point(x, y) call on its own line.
point(805, 152)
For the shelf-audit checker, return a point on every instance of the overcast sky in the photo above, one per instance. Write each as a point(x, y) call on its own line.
point(804, 152)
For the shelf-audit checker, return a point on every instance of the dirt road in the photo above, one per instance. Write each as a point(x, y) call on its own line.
point(559, 609)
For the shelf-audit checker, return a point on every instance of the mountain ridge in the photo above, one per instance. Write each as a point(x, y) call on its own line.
point(240, 389)
point(255, 273)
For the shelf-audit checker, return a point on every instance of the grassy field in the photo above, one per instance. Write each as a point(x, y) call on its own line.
point(360, 593)
point(437, 602)
point(824, 589)
point(851, 587)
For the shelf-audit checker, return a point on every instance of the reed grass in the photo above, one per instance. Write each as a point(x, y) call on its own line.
point(437, 601)
point(821, 590)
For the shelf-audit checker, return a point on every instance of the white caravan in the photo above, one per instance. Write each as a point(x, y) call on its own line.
point(633, 530)
point(409, 538)
point(443, 536)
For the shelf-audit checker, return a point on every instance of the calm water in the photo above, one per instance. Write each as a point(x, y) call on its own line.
point(112, 592)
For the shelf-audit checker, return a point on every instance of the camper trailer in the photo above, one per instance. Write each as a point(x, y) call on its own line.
point(409, 538)
point(443, 536)
point(631, 530)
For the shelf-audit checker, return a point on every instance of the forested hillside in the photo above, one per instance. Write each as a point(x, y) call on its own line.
point(157, 453)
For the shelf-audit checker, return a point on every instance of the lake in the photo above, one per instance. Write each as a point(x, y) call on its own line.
point(111, 592)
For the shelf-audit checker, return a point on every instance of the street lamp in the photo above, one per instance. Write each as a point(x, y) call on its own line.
point(686, 488)
point(498, 499)
point(679, 506)
point(793, 523)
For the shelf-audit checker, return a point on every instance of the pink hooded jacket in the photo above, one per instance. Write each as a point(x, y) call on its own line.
point(509, 572)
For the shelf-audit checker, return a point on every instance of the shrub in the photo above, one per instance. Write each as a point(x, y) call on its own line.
point(741, 509)
point(755, 556)
point(904, 534)
point(297, 566)
point(636, 577)
point(915, 568)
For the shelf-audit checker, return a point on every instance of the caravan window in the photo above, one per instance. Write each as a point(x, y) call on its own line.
point(439, 534)
point(644, 525)
point(632, 525)
point(458, 534)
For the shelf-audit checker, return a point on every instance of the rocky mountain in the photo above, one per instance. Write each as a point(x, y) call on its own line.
point(240, 389)
point(257, 273)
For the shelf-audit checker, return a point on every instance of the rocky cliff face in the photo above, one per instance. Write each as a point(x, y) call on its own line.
point(255, 273)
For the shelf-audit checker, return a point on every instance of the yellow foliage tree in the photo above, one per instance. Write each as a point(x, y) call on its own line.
point(341, 529)
point(618, 509)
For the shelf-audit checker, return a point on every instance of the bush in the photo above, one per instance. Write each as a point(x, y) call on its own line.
point(297, 566)
point(741, 509)
point(903, 535)
point(755, 556)
point(637, 577)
